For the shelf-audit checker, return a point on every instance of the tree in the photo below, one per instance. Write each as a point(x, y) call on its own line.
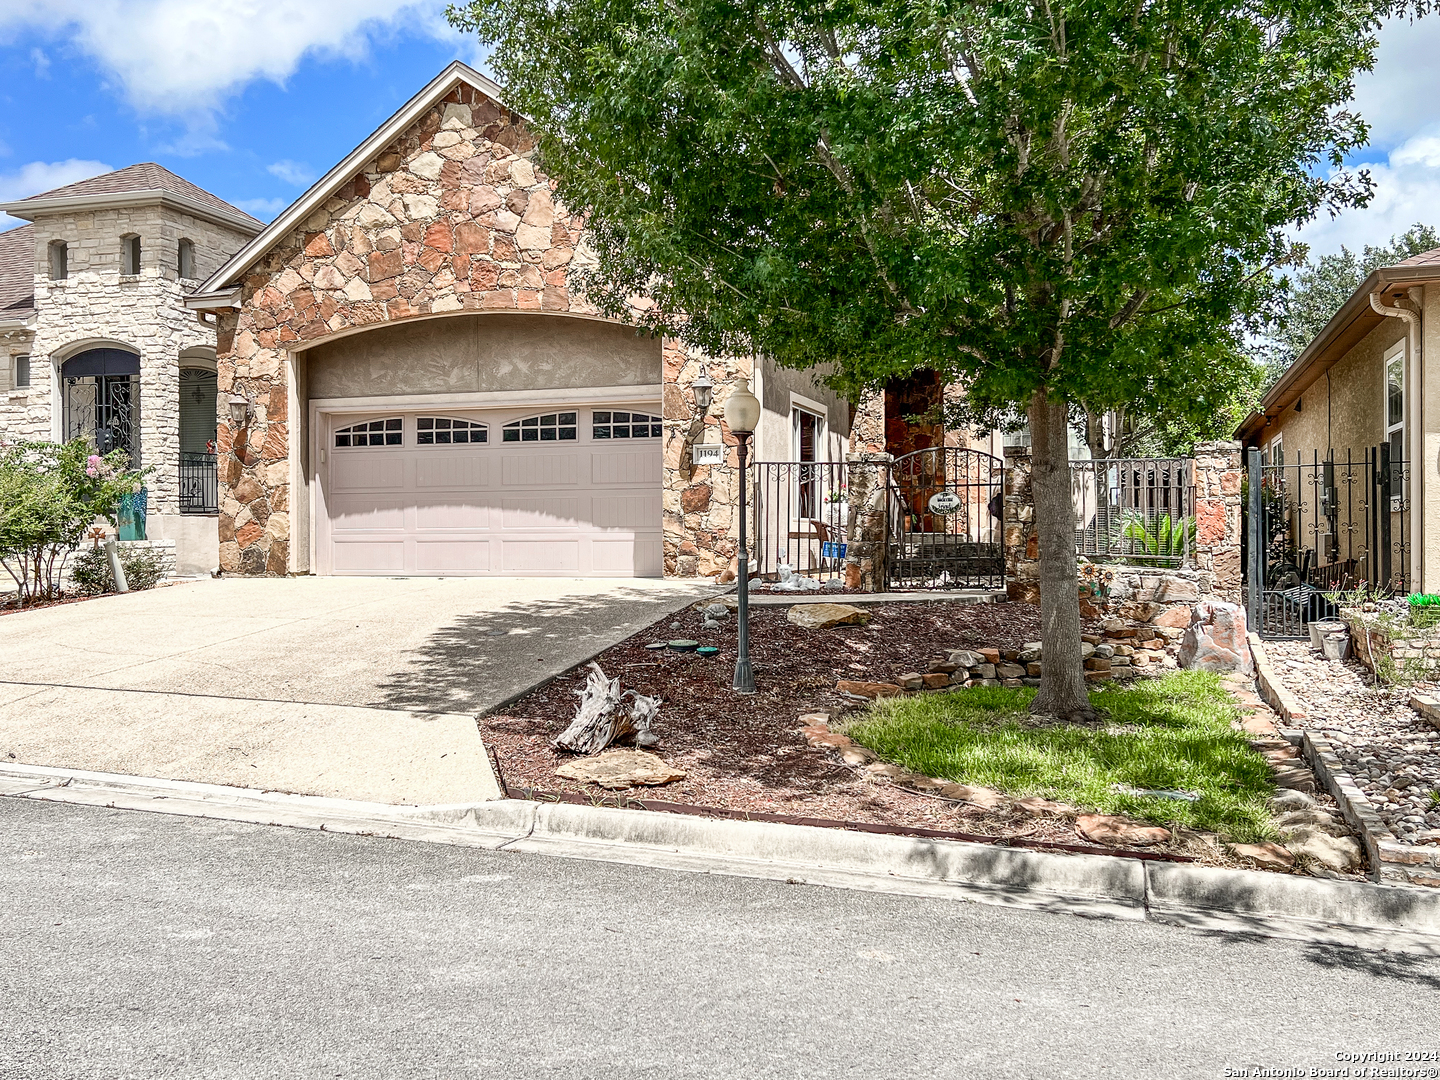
point(1053, 203)
point(1322, 286)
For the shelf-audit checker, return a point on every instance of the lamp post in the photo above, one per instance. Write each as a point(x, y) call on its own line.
point(742, 413)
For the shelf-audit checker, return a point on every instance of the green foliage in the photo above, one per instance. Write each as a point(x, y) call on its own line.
point(91, 576)
point(1159, 540)
point(1172, 733)
point(50, 493)
point(1321, 287)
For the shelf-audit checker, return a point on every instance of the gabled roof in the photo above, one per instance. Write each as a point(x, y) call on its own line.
point(220, 290)
point(17, 274)
point(142, 183)
point(1346, 328)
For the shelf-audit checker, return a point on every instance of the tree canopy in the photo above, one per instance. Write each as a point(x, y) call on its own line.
point(1051, 202)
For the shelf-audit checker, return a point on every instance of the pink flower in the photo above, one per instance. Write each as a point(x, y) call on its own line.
point(92, 461)
point(90, 471)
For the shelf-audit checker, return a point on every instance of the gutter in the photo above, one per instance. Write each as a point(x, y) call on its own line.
point(220, 300)
point(1409, 309)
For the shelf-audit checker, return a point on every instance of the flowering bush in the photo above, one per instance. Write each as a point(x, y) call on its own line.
point(50, 493)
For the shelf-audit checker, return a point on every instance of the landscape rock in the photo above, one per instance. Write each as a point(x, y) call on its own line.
point(911, 680)
point(1333, 852)
point(980, 796)
point(1034, 804)
point(1292, 800)
point(616, 769)
point(936, 680)
point(964, 658)
point(867, 689)
point(1266, 854)
point(1175, 618)
point(1216, 639)
point(1109, 829)
point(825, 616)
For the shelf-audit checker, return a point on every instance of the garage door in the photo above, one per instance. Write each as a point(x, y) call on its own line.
point(559, 491)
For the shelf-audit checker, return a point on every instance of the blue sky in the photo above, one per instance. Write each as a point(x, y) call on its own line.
point(252, 99)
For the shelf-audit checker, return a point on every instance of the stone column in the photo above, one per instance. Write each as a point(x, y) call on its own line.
point(1218, 471)
point(1021, 542)
point(867, 533)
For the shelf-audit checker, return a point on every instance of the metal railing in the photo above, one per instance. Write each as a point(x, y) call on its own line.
point(801, 518)
point(1140, 511)
point(199, 489)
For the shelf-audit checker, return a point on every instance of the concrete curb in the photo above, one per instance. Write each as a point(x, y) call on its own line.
point(1273, 905)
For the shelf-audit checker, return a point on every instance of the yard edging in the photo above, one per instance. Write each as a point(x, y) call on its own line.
point(1349, 913)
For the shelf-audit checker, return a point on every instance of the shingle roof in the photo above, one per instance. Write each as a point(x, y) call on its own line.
point(17, 273)
point(1425, 258)
point(147, 176)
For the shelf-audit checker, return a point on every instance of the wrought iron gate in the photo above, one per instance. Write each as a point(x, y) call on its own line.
point(801, 518)
point(1321, 527)
point(947, 510)
point(106, 408)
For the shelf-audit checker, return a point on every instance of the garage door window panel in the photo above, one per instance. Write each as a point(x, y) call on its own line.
point(624, 425)
point(370, 433)
point(549, 427)
point(448, 431)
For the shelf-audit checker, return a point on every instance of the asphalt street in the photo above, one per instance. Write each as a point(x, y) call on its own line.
point(147, 946)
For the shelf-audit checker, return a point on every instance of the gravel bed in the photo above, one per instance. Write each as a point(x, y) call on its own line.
point(1392, 753)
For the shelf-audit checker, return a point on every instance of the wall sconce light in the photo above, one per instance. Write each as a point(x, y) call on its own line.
point(239, 408)
point(704, 389)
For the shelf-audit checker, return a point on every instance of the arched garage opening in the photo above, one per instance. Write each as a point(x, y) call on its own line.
point(489, 444)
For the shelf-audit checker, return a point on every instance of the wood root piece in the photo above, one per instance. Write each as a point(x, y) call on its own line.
point(599, 718)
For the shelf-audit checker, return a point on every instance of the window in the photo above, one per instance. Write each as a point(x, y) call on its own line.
point(624, 425)
point(1395, 420)
point(130, 255)
point(22, 372)
point(185, 259)
point(370, 433)
point(552, 427)
point(59, 260)
point(806, 428)
point(441, 430)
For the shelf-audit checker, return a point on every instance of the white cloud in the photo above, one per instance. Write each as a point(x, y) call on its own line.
point(293, 172)
point(1397, 99)
point(40, 176)
point(264, 209)
point(1407, 191)
point(185, 57)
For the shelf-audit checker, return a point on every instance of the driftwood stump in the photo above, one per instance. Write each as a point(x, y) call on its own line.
point(601, 717)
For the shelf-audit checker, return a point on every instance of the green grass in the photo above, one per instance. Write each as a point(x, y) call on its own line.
point(1169, 733)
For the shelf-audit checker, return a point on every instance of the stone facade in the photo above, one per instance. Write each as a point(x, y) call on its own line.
point(1218, 473)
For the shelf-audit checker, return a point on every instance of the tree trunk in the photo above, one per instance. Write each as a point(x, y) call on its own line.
point(1062, 681)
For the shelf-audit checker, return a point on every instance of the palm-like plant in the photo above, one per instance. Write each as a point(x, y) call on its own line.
point(1159, 541)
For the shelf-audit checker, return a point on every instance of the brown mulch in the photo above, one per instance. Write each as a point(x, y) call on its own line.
point(744, 753)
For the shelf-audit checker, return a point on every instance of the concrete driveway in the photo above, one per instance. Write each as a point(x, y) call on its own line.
point(354, 688)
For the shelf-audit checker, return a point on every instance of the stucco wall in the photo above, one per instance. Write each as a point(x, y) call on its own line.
point(777, 392)
point(483, 352)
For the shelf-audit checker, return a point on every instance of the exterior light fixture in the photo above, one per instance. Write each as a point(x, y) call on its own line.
point(742, 413)
point(704, 388)
point(239, 408)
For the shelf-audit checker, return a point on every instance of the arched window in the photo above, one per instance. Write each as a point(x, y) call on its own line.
point(130, 255)
point(59, 252)
point(624, 425)
point(370, 433)
point(445, 430)
point(552, 427)
point(185, 259)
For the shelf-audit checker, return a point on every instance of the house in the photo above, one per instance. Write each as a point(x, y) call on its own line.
point(411, 386)
point(95, 338)
point(1348, 438)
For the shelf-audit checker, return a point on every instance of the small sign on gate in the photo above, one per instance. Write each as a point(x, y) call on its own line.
point(944, 502)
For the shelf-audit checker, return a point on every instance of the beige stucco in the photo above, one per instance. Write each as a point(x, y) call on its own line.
point(780, 390)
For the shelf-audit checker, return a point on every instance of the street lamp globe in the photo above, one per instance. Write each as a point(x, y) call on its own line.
point(742, 410)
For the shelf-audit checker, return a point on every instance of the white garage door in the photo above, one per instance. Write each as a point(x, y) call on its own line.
point(559, 491)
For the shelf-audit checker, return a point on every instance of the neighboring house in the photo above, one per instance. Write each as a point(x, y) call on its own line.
point(410, 386)
point(96, 341)
point(1362, 393)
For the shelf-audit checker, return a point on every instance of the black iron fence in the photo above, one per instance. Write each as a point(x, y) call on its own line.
point(1320, 527)
point(1140, 511)
point(199, 491)
point(801, 518)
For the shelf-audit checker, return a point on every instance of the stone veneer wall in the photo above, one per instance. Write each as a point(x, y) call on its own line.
point(452, 216)
point(144, 312)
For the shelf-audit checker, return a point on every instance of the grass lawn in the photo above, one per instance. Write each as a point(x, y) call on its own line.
point(1169, 733)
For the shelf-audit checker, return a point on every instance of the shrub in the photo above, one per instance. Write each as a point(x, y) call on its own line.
point(91, 576)
point(50, 493)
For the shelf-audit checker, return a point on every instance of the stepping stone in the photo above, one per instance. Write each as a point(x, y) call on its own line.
point(1266, 854)
point(1108, 829)
point(1037, 806)
point(616, 769)
point(1295, 778)
point(1291, 800)
point(1333, 852)
point(825, 616)
point(979, 796)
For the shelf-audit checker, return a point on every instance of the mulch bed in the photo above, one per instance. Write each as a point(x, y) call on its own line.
point(743, 754)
